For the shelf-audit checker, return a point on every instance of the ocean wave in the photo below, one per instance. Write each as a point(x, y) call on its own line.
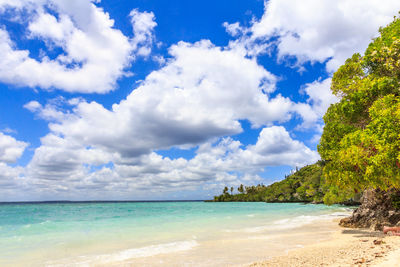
point(302, 220)
point(290, 223)
point(132, 253)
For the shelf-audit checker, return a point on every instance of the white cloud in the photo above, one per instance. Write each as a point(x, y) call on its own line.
point(11, 178)
point(59, 158)
point(233, 29)
point(275, 147)
point(196, 99)
point(323, 30)
point(200, 94)
point(62, 167)
point(95, 54)
point(10, 148)
point(47, 26)
point(320, 97)
point(143, 24)
point(50, 111)
point(314, 31)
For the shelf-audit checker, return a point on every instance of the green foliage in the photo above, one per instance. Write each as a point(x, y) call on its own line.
point(361, 138)
point(240, 189)
point(395, 201)
point(305, 185)
point(225, 191)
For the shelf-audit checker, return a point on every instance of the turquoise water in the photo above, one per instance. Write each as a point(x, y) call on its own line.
point(47, 233)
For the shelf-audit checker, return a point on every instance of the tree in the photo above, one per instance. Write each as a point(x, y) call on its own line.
point(225, 191)
point(361, 138)
point(231, 190)
point(240, 188)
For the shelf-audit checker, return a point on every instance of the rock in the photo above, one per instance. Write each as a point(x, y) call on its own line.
point(376, 210)
point(347, 222)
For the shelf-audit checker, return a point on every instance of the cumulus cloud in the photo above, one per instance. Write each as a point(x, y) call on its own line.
point(320, 97)
point(10, 148)
point(51, 111)
point(10, 177)
point(201, 94)
point(195, 100)
point(59, 157)
point(143, 24)
point(275, 147)
point(94, 54)
point(320, 30)
point(313, 31)
point(63, 167)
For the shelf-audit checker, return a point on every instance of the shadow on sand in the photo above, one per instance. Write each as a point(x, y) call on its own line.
point(363, 233)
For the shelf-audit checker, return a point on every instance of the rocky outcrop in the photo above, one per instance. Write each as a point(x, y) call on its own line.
point(378, 208)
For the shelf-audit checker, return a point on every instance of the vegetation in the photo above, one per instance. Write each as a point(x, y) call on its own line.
point(305, 185)
point(360, 144)
point(361, 138)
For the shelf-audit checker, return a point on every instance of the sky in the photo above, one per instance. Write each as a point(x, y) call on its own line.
point(168, 100)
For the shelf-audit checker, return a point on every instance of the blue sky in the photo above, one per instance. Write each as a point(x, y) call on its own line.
point(167, 99)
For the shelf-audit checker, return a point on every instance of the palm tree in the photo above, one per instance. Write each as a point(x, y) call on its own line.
point(240, 189)
point(225, 190)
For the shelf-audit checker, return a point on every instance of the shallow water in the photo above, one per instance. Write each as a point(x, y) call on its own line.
point(154, 233)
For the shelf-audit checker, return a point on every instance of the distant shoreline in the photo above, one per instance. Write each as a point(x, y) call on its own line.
point(145, 201)
point(92, 201)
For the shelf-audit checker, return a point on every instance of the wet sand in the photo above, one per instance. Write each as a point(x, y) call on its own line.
point(320, 243)
point(238, 248)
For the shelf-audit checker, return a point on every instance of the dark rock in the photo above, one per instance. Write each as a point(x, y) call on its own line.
point(378, 208)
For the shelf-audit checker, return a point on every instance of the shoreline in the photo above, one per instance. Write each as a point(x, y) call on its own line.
point(344, 247)
point(239, 247)
point(254, 233)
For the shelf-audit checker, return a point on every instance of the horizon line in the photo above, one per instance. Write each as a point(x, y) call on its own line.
point(93, 201)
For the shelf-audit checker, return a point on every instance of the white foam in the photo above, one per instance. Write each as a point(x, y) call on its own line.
point(340, 214)
point(151, 250)
point(290, 223)
point(127, 254)
point(256, 229)
point(305, 219)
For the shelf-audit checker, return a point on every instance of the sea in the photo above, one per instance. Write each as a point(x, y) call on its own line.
point(183, 233)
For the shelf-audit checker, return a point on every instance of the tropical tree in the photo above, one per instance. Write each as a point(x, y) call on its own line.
point(225, 191)
point(361, 138)
point(240, 188)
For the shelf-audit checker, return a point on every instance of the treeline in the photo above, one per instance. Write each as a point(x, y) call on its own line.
point(305, 185)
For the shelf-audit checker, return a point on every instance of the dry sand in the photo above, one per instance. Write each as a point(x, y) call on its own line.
point(347, 247)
